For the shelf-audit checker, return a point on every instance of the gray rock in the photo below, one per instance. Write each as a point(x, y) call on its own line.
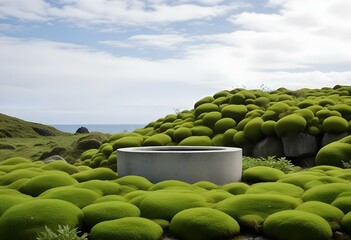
point(332, 137)
point(300, 145)
point(270, 146)
point(82, 130)
point(55, 151)
point(54, 158)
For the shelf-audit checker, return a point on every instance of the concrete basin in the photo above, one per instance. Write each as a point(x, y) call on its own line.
point(219, 165)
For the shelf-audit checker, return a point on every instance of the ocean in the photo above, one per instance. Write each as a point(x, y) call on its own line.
point(104, 128)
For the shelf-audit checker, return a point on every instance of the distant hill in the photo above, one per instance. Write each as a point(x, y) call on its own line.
point(13, 127)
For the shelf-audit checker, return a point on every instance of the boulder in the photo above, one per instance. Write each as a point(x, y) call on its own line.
point(43, 132)
point(82, 130)
point(332, 137)
point(54, 158)
point(269, 146)
point(300, 145)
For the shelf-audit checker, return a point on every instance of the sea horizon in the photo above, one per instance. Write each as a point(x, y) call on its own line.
point(104, 128)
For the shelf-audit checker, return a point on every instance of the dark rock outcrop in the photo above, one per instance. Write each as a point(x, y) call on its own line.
point(43, 132)
point(269, 146)
point(300, 145)
point(54, 151)
point(82, 130)
point(332, 137)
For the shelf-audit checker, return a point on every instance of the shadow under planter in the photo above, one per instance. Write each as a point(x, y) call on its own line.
point(191, 164)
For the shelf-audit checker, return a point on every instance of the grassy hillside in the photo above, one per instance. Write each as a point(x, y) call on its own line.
point(37, 141)
point(14, 127)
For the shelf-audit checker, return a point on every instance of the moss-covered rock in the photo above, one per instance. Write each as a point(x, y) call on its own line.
point(290, 125)
point(207, 99)
point(252, 129)
point(205, 108)
point(164, 205)
point(228, 137)
point(135, 228)
point(276, 188)
point(211, 118)
point(43, 182)
point(236, 188)
point(101, 173)
point(17, 175)
point(294, 224)
point(237, 98)
point(196, 141)
point(61, 166)
point(100, 186)
point(129, 141)
point(181, 133)
point(203, 224)
point(78, 196)
point(160, 139)
point(335, 124)
point(334, 153)
point(332, 214)
point(139, 182)
point(224, 124)
point(104, 211)
point(236, 112)
point(26, 220)
point(202, 131)
point(250, 210)
point(325, 193)
point(216, 195)
point(14, 161)
point(9, 200)
point(343, 203)
point(261, 174)
point(267, 128)
point(346, 222)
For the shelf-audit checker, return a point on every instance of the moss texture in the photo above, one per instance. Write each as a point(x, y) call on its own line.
point(294, 224)
point(135, 228)
point(276, 188)
point(104, 211)
point(290, 125)
point(203, 224)
point(98, 173)
point(26, 220)
point(261, 174)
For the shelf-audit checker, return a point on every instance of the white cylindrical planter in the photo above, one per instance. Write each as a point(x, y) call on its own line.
point(219, 165)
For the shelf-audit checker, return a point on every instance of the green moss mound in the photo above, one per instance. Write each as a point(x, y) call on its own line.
point(17, 175)
point(343, 203)
point(41, 183)
point(14, 160)
point(160, 139)
point(206, 185)
point(61, 166)
point(78, 196)
point(128, 141)
point(101, 173)
point(139, 182)
point(290, 125)
point(170, 184)
point(216, 195)
point(181, 133)
point(267, 128)
point(276, 188)
point(7, 201)
point(104, 211)
point(202, 131)
point(135, 228)
point(236, 112)
point(294, 224)
point(196, 141)
point(250, 210)
point(325, 193)
point(261, 174)
point(330, 213)
point(111, 198)
point(252, 129)
point(334, 154)
point(298, 179)
point(346, 222)
point(204, 108)
point(335, 124)
point(228, 137)
point(224, 124)
point(164, 205)
point(26, 220)
point(211, 118)
point(100, 186)
point(236, 188)
point(203, 224)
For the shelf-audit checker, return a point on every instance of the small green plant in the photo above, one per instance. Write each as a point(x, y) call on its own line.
point(63, 233)
point(279, 163)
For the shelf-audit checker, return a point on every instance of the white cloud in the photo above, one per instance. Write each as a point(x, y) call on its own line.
point(116, 12)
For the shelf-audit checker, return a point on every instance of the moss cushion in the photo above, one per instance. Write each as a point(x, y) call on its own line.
point(203, 224)
point(133, 228)
point(261, 174)
point(26, 220)
point(294, 224)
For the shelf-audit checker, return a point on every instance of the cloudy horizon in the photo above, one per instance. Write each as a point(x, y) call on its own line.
point(133, 61)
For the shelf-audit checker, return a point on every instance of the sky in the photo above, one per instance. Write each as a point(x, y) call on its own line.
point(133, 61)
